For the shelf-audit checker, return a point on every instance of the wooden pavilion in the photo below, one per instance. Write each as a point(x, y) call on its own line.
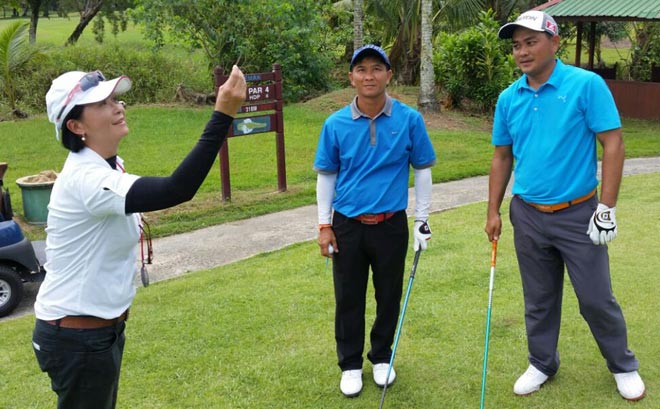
point(634, 99)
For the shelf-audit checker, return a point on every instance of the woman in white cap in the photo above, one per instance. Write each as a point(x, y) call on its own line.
point(93, 229)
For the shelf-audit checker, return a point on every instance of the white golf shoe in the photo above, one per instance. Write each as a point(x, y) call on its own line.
point(530, 381)
point(380, 373)
point(630, 385)
point(351, 382)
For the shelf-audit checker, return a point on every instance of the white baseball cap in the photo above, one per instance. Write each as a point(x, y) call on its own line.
point(79, 88)
point(533, 20)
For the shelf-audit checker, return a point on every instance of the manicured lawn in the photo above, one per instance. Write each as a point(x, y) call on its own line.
point(259, 333)
point(161, 136)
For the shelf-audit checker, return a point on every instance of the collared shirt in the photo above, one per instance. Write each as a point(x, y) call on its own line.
point(372, 156)
point(91, 244)
point(552, 131)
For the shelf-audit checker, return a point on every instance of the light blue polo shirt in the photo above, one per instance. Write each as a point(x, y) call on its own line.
point(552, 131)
point(372, 157)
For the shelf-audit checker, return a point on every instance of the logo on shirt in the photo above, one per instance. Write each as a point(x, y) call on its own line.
point(562, 98)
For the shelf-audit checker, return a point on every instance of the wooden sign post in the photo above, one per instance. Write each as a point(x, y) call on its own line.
point(265, 95)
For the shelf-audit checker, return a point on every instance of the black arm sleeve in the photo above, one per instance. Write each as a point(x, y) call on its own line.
point(155, 193)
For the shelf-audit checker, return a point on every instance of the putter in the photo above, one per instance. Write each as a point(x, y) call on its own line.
point(398, 330)
point(493, 257)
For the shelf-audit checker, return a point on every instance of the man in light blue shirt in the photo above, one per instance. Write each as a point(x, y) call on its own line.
point(363, 161)
point(547, 123)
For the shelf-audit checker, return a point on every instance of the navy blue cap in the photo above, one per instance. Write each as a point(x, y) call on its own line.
point(373, 50)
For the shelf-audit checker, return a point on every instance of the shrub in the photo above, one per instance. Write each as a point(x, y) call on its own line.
point(253, 35)
point(155, 75)
point(645, 52)
point(474, 64)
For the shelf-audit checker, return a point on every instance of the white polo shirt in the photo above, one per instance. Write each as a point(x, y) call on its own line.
point(91, 244)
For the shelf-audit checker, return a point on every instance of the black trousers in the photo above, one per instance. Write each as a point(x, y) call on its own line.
point(381, 247)
point(83, 364)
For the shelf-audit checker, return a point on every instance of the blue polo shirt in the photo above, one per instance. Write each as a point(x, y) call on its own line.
point(372, 157)
point(553, 130)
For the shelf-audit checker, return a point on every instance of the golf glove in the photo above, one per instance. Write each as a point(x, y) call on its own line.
point(421, 234)
point(602, 226)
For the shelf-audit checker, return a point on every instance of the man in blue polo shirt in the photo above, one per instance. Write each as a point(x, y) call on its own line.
point(363, 160)
point(548, 122)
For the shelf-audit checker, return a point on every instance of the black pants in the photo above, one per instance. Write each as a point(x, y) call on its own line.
point(83, 364)
point(382, 247)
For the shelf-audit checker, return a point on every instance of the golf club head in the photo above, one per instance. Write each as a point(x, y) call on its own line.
point(144, 276)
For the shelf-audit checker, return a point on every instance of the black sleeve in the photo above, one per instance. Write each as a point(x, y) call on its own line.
point(155, 193)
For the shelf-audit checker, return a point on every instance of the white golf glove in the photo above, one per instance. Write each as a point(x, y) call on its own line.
point(602, 226)
point(421, 234)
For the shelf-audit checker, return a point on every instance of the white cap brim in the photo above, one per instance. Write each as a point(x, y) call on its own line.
point(534, 20)
point(102, 91)
point(63, 85)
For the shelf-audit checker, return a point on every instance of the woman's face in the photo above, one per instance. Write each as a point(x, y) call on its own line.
point(103, 124)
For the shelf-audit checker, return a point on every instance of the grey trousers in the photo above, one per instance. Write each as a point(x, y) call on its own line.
point(545, 243)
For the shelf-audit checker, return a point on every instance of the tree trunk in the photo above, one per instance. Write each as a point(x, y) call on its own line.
point(358, 18)
point(428, 102)
point(34, 19)
point(405, 60)
point(87, 14)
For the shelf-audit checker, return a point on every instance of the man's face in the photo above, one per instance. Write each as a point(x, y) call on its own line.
point(534, 52)
point(370, 77)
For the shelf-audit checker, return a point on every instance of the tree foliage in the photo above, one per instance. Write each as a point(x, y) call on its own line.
point(253, 35)
point(399, 29)
point(474, 63)
point(645, 52)
point(15, 53)
point(115, 13)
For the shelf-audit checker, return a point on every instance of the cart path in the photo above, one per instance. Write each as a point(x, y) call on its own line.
point(200, 250)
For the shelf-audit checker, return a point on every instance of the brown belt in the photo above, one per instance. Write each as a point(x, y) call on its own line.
point(373, 218)
point(551, 208)
point(86, 322)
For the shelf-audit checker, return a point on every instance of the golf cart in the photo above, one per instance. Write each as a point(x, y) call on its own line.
point(21, 261)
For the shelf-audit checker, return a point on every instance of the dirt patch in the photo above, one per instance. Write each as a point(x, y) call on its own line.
point(43, 177)
point(443, 120)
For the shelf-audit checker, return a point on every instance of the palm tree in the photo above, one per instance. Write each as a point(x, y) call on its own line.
point(358, 20)
point(15, 52)
point(428, 101)
point(400, 21)
point(34, 19)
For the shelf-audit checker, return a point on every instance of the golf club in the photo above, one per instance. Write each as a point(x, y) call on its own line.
point(493, 257)
point(398, 330)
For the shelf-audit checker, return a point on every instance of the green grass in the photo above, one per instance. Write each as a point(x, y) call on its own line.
point(160, 136)
point(56, 30)
point(609, 55)
point(259, 333)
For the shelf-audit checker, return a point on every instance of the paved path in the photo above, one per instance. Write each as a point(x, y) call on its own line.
point(201, 249)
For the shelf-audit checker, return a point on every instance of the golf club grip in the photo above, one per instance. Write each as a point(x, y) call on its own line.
point(414, 264)
point(493, 254)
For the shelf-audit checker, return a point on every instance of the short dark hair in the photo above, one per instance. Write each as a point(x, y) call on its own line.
point(71, 140)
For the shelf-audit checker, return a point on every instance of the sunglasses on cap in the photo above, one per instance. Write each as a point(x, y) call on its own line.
point(88, 81)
